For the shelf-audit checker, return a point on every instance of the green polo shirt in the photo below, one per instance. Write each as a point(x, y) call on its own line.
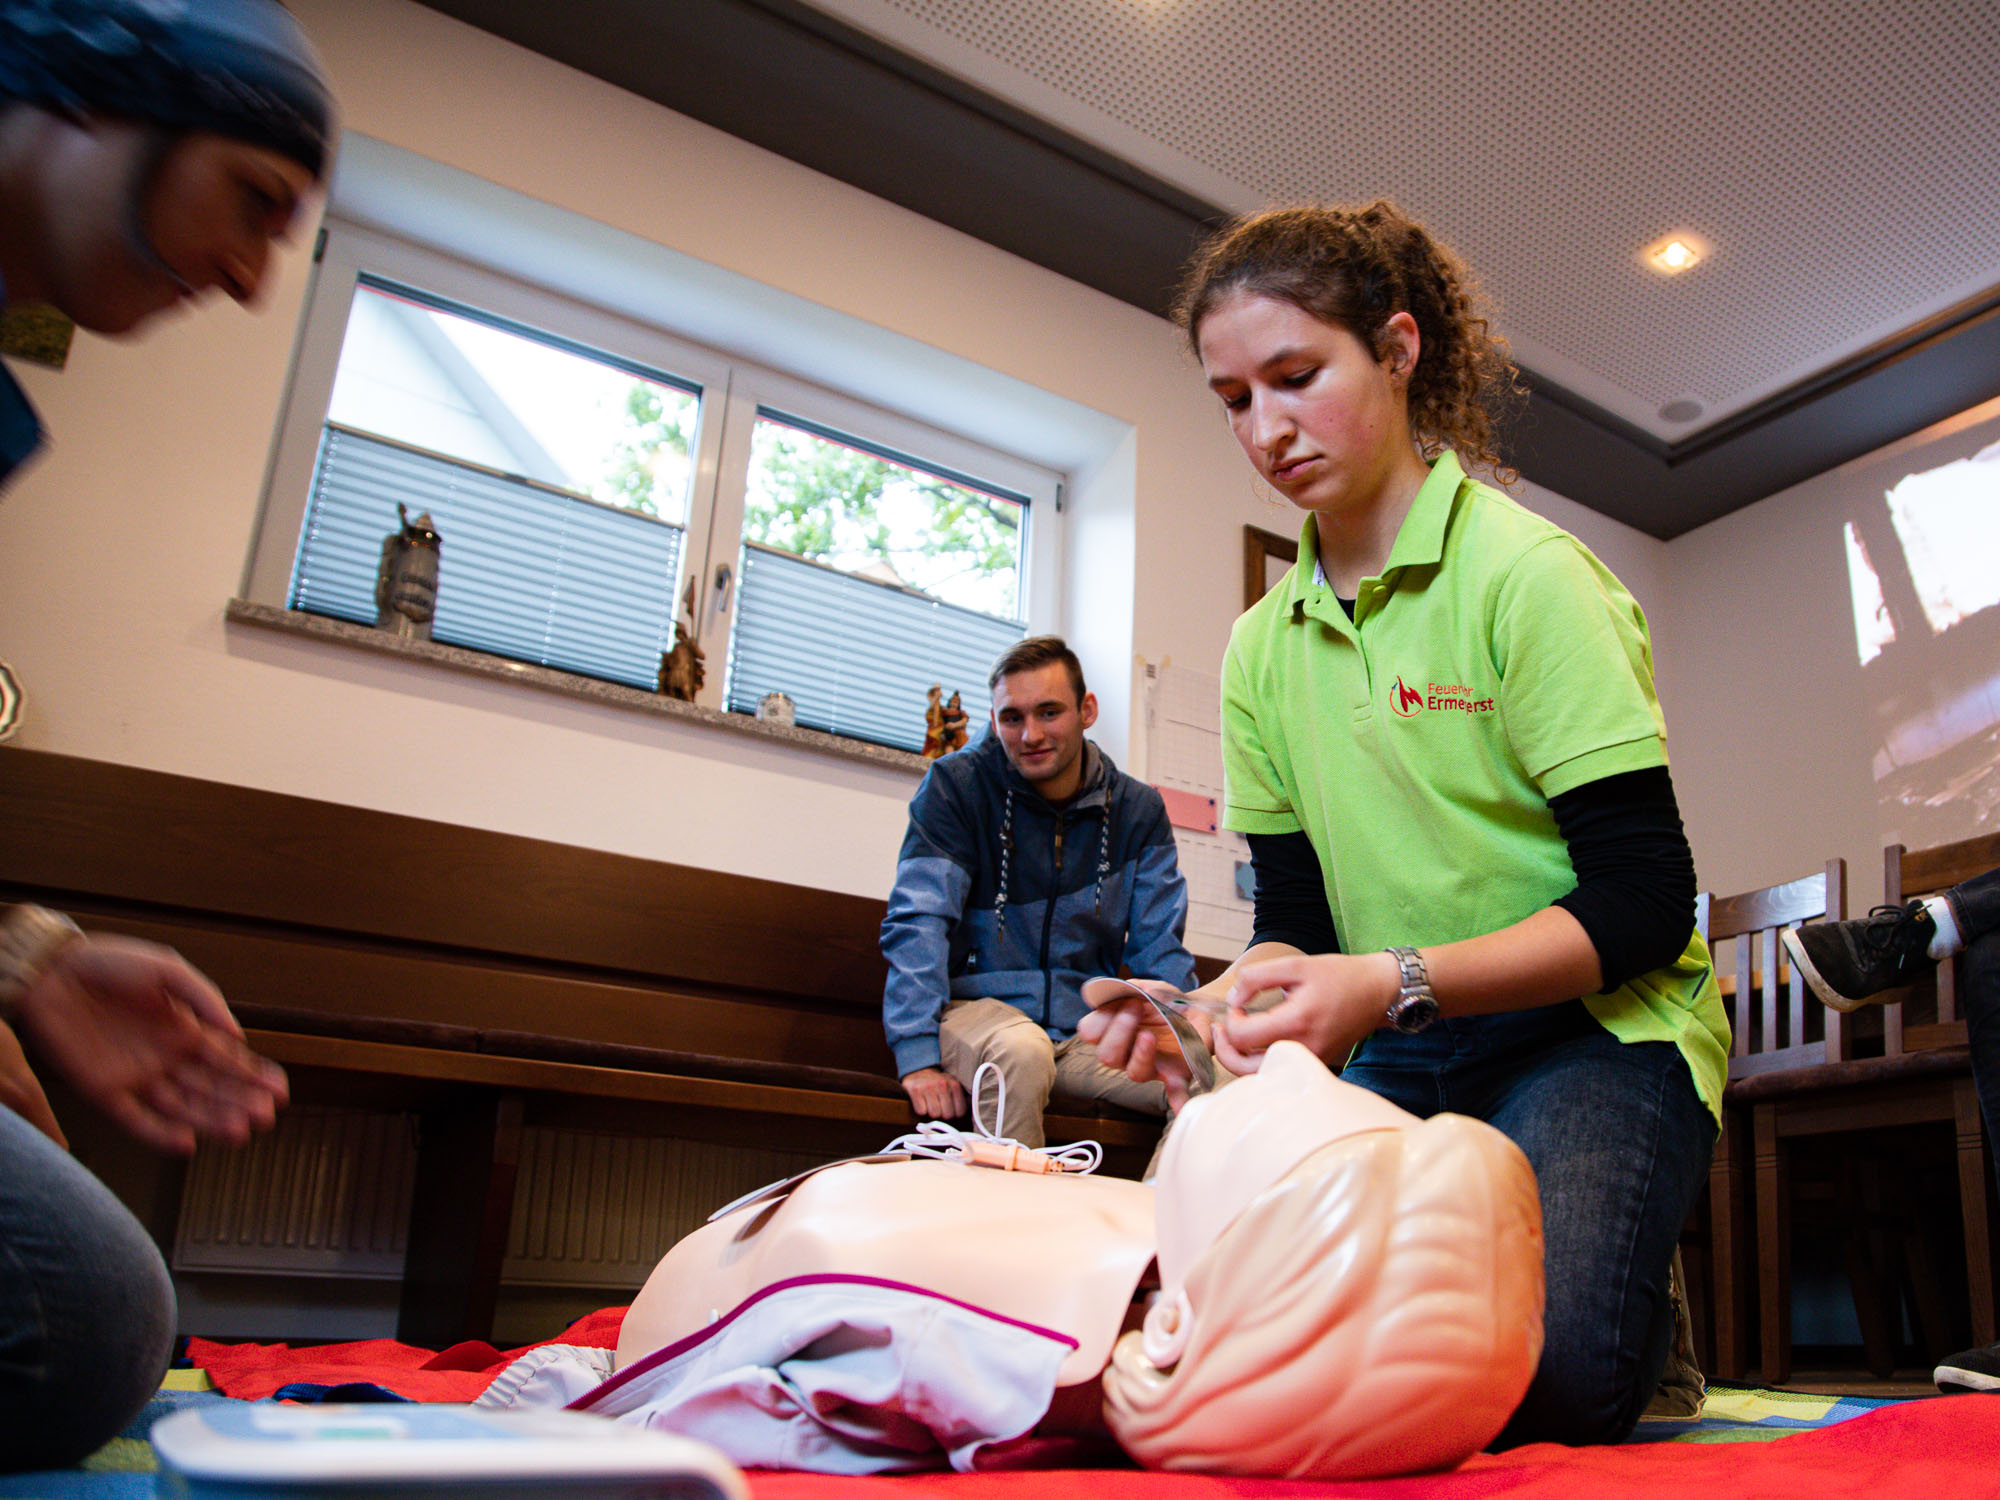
point(1494, 664)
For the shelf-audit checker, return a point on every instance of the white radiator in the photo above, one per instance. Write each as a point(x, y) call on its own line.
point(597, 1210)
point(328, 1194)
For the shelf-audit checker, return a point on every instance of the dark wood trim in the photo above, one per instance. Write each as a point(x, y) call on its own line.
point(468, 1162)
point(344, 978)
point(293, 866)
point(1259, 545)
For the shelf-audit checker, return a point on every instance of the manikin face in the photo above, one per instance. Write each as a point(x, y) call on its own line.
point(1321, 418)
point(1230, 1145)
point(211, 210)
point(1041, 727)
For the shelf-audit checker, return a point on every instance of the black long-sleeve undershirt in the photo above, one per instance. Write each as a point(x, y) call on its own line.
point(1635, 881)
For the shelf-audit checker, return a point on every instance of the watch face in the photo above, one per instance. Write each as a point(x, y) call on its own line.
point(1413, 1013)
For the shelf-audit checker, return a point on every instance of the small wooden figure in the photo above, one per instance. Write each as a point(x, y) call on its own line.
point(953, 728)
point(682, 669)
point(934, 723)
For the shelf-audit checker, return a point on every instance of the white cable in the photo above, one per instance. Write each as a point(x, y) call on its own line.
point(935, 1138)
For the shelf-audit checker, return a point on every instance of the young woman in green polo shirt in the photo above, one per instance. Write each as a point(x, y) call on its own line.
point(1441, 737)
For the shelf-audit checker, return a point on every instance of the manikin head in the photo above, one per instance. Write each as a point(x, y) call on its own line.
point(1346, 1291)
point(151, 150)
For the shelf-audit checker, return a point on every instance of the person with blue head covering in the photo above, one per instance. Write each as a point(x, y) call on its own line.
point(151, 152)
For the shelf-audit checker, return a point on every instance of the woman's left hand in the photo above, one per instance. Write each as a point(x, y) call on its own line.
point(1331, 1001)
point(1131, 1038)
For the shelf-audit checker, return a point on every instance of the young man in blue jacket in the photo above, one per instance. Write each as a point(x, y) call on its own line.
point(1032, 863)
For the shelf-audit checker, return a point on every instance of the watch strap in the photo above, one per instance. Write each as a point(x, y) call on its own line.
point(1415, 1006)
point(30, 936)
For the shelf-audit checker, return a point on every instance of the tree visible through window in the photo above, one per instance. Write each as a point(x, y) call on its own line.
point(650, 458)
point(866, 514)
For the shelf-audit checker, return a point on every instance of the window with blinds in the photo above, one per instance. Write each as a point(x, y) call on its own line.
point(856, 656)
point(556, 478)
point(599, 486)
point(867, 577)
point(524, 570)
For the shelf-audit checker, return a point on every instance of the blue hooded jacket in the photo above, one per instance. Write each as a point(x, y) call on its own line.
point(1003, 895)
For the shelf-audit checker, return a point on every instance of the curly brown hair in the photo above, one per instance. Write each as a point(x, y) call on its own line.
point(1357, 268)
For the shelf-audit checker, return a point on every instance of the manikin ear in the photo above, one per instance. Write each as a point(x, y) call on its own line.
point(1398, 344)
point(1087, 710)
point(1169, 1321)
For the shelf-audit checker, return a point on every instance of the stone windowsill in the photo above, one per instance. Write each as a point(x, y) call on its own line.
point(568, 684)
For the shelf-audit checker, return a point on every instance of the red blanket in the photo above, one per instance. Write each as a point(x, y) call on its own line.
point(253, 1371)
point(1942, 1449)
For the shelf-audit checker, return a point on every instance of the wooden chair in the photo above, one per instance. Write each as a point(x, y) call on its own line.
point(1767, 1037)
point(1929, 1018)
point(1897, 1064)
point(1932, 1012)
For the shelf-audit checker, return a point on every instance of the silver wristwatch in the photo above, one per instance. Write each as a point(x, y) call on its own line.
point(1414, 1007)
point(29, 937)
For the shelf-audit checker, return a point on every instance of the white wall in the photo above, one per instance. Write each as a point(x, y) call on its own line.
point(118, 552)
point(1775, 725)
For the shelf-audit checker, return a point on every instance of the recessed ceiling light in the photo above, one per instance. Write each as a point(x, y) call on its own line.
point(1675, 253)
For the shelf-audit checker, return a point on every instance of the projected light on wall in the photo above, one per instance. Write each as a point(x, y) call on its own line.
point(1924, 572)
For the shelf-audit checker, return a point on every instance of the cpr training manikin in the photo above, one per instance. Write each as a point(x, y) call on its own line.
point(1344, 1292)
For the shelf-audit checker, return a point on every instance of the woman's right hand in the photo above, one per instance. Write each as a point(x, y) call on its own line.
point(1327, 1002)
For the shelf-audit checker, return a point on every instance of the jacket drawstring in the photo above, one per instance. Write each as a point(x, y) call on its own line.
point(1103, 861)
point(1006, 858)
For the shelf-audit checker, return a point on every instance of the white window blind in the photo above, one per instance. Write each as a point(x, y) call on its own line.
point(525, 570)
point(855, 656)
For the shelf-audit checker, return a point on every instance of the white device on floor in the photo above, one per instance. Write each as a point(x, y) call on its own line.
point(247, 1450)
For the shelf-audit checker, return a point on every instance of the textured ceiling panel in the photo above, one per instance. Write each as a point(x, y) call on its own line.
point(1842, 159)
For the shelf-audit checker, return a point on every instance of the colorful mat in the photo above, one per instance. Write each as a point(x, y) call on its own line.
point(1746, 1414)
point(1821, 1446)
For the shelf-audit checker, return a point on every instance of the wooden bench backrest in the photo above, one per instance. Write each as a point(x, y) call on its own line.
point(294, 902)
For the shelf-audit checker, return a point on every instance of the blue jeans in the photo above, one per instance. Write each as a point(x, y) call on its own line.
point(1620, 1144)
point(1975, 906)
point(86, 1308)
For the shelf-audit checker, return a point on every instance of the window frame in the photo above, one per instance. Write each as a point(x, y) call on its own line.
point(733, 390)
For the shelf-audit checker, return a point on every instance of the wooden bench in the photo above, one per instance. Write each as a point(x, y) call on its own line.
point(485, 981)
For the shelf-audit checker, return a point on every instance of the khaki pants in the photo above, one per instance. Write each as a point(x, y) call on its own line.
point(971, 1032)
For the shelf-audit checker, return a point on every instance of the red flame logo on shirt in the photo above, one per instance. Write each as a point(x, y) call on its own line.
point(1407, 702)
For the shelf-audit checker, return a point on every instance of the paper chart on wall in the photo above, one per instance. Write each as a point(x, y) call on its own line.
point(1184, 751)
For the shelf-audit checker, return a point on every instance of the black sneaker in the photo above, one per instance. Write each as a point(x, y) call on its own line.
point(1849, 963)
point(1974, 1370)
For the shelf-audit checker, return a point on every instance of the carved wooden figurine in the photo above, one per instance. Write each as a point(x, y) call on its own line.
point(953, 728)
point(681, 670)
point(934, 723)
